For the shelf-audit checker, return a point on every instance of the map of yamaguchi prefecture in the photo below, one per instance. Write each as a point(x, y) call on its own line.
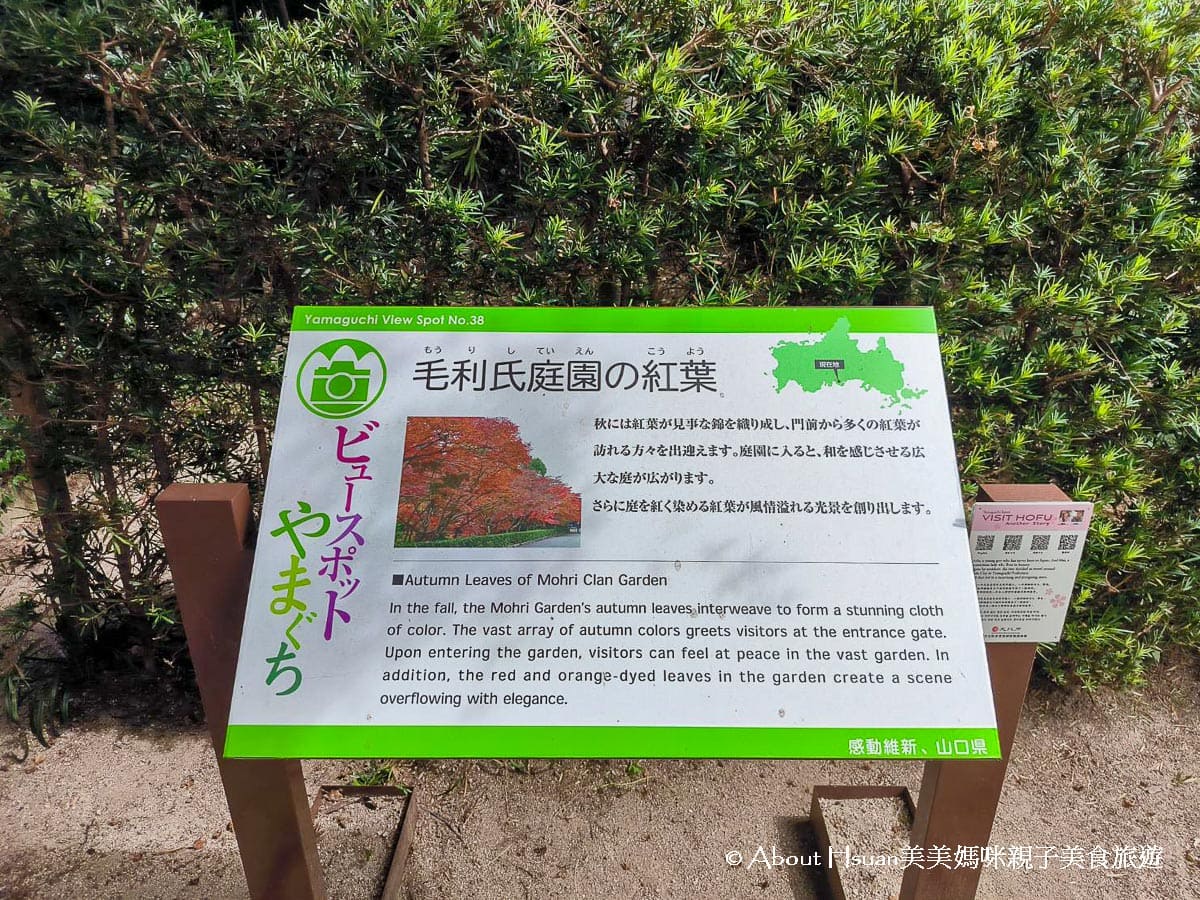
point(835, 360)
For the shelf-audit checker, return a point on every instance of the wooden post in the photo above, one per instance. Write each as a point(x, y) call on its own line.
point(205, 529)
point(959, 799)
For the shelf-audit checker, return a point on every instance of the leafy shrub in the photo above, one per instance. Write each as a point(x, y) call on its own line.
point(173, 185)
point(510, 539)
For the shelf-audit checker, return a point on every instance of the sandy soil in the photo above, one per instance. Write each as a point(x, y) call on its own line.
point(126, 803)
point(121, 806)
point(876, 826)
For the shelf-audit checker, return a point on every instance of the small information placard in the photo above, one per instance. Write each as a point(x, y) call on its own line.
point(1026, 557)
point(612, 532)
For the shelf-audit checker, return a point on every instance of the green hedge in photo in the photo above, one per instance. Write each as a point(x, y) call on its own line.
point(503, 539)
point(173, 182)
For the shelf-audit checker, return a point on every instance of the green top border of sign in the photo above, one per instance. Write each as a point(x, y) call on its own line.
point(615, 320)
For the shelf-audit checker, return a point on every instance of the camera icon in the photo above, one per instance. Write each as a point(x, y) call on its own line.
point(340, 388)
point(334, 386)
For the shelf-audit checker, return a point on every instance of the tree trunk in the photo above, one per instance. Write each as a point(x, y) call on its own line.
point(261, 430)
point(64, 539)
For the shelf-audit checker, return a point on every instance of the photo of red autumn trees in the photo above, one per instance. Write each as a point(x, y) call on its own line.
point(472, 481)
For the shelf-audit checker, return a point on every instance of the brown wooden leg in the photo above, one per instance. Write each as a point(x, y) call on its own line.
point(205, 528)
point(958, 801)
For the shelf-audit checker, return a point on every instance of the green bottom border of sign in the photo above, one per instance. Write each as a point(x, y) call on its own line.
point(600, 742)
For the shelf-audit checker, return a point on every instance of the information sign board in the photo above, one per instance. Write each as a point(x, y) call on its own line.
point(612, 532)
point(1026, 557)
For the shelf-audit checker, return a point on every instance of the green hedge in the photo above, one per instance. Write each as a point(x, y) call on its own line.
point(505, 539)
point(171, 185)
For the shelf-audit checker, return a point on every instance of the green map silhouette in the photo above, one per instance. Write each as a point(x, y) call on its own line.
point(836, 360)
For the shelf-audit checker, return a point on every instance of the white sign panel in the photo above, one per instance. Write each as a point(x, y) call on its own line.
point(613, 532)
point(1026, 556)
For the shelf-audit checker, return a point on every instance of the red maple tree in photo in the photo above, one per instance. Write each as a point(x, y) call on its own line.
point(467, 476)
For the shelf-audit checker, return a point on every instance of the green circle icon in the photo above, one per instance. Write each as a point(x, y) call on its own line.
point(341, 378)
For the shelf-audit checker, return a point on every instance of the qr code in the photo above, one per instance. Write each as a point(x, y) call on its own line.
point(1012, 541)
point(1067, 541)
point(985, 541)
point(1040, 542)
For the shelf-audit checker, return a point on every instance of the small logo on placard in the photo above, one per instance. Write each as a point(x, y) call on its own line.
point(341, 378)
